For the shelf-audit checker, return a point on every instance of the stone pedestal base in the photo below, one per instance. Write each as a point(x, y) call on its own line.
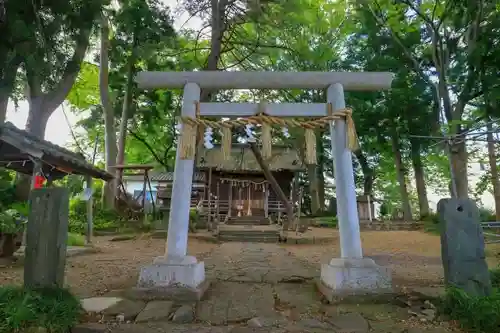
point(344, 277)
point(172, 278)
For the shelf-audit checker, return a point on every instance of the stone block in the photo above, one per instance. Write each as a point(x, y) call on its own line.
point(183, 315)
point(166, 271)
point(99, 304)
point(154, 311)
point(90, 328)
point(462, 247)
point(345, 277)
point(172, 278)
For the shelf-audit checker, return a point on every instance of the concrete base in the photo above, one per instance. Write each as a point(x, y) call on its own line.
point(172, 277)
point(344, 277)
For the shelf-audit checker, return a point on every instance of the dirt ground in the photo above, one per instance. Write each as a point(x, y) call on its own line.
point(115, 266)
point(414, 256)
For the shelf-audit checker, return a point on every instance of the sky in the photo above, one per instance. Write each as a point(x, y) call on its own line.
point(58, 127)
point(62, 135)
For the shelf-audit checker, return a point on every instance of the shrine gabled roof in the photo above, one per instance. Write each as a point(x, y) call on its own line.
point(242, 159)
point(169, 177)
point(19, 148)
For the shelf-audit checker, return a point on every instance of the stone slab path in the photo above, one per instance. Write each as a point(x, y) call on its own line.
point(258, 287)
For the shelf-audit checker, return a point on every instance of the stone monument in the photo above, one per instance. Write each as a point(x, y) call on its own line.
point(462, 247)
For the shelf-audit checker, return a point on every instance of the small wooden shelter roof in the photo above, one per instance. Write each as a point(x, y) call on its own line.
point(243, 160)
point(18, 149)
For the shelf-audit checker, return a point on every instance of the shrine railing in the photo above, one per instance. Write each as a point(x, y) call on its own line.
point(491, 232)
point(222, 206)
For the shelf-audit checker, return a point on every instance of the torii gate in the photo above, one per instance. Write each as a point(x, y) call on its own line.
point(350, 273)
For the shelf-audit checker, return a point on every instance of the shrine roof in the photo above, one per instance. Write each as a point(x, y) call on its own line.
point(18, 150)
point(242, 159)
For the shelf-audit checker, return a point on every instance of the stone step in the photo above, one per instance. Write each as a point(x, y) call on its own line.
point(249, 238)
point(248, 234)
point(247, 221)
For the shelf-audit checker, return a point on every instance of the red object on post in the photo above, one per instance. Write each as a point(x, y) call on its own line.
point(39, 181)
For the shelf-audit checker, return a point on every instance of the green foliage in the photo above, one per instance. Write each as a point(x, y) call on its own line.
point(431, 223)
point(75, 239)
point(194, 217)
point(478, 314)
point(495, 277)
point(327, 222)
point(11, 221)
point(486, 215)
point(103, 219)
point(57, 310)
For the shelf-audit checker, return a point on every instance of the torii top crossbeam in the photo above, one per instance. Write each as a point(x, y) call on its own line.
point(354, 81)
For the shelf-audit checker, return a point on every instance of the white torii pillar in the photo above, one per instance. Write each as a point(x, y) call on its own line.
point(351, 273)
point(176, 267)
point(347, 210)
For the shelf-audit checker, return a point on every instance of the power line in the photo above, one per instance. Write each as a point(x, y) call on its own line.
point(448, 140)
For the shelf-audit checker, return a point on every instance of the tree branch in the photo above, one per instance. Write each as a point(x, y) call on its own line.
point(148, 147)
point(59, 93)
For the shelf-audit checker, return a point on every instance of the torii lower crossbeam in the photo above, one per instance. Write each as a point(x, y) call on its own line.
point(350, 274)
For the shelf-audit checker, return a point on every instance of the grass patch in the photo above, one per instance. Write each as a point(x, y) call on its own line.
point(495, 277)
point(75, 239)
point(477, 314)
point(431, 224)
point(21, 309)
point(326, 222)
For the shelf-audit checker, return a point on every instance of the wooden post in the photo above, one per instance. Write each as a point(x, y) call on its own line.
point(299, 208)
point(249, 200)
point(369, 208)
point(37, 169)
point(145, 182)
point(209, 219)
point(45, 254)
point(240, 202)
point(218, 202)
point(230, 199)
point(90, 206)
point(266, 200)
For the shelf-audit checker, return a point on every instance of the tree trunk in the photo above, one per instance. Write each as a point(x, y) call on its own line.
point(127, 104)
point(368, 174)
point(418, 168)
point(110, 153)
point(458, 159)
point(274, 185)
point(38, 117)
point(7, 84)
point(313, 188)
point(492, 158)
point(4, 102)
point(401, 174)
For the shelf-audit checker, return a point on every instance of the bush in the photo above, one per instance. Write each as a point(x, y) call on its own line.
point(327, 222)
point(194, 217)
point(495, 277)
point(479, 314)
point(75, 239)
point(431, 223)
point(55, 309)
point(103, 219)
point(486, 215)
